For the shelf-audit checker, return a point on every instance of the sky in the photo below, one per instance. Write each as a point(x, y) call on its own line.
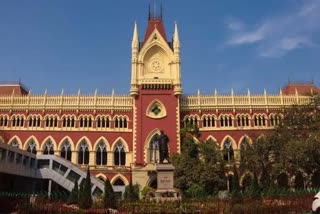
point(86, 45)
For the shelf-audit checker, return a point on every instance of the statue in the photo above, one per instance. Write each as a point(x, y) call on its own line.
point(163, 146)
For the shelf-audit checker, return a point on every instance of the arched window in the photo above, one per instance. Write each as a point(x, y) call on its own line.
point(154, 149)
point(3, 120)
point(48, 148)
point(83, 156)
point(15, 143)
point(101, 154)
point(228, 153)
point(31, 147)
point(119, 154)
point(118, 182)
point(66, 150)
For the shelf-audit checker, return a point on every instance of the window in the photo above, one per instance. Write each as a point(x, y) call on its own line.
point(259, 120)
point(208, 121)
point(120, 122)
point(3, 120)
point(119, 154)
point(31, 147)
point(103, 122)
point(228, 153)
point(15, 143)
point(17, 121)
point(34, 121)
point(275, 119)
point(68, 121)
point(226, 121)
point(101, 154)
point(83, 155)
point(242, 120)
point(191, 120)
point(66, 150)
point(118, 182)
point(51, 121)
point(154, 149)
point(48, 148)
point(85, 121)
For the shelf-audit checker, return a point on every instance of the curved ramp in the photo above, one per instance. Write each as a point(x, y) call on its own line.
point(65, 173)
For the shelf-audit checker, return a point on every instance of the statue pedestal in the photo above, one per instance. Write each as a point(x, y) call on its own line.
point(165, 190)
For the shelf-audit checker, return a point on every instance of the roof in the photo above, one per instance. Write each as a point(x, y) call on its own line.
point(9, 88)
point(301, 88)
point(155, 22)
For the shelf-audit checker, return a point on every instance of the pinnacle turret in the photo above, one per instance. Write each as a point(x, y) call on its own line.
point(135, 37)
point(176, 41)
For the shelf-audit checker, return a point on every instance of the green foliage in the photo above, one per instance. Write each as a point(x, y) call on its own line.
point(196, 191)
point(85, 199)
point(109, 195)
point(147, 192)
point(131, 192)
point(73, 197)
point(200, 164)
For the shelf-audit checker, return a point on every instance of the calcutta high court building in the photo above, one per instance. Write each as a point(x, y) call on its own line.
point(115, 135)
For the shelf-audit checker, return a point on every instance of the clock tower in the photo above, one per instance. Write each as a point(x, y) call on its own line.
point(156, 88)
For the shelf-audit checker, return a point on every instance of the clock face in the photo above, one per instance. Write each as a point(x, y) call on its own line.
point(156, 65)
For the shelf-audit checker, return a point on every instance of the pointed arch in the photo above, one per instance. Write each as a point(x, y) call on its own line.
point(124, 144)
point(66, 147)
point(210, 137)
point(160, 45)
point(261, 137)
point(79, 143)
point(102, 138)
point(150, 136)
point(43, 144)
point(35, 140)
point(17, 139)
point(156, 109)
point(151, 146)
point(100, 150)
point(120, 149)
point(101, 176)
point(119, 176)
point(63, 140)
point(83, 148)
point(233, 142)
point(249, 140)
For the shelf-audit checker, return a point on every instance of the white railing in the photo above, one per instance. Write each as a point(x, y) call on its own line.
point(241, 101)
point(66, 102)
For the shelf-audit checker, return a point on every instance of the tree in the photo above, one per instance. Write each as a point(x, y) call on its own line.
point(85, 199)
point(131, 192)
point(73, 197)
point(212, 176)
point(109, 196)
point(291, 147)
point(199, 166)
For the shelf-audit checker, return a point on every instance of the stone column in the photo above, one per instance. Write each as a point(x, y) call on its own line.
point(92, 158)
point(74, 157)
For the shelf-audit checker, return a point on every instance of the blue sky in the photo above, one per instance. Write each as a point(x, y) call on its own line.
point(224, 44)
